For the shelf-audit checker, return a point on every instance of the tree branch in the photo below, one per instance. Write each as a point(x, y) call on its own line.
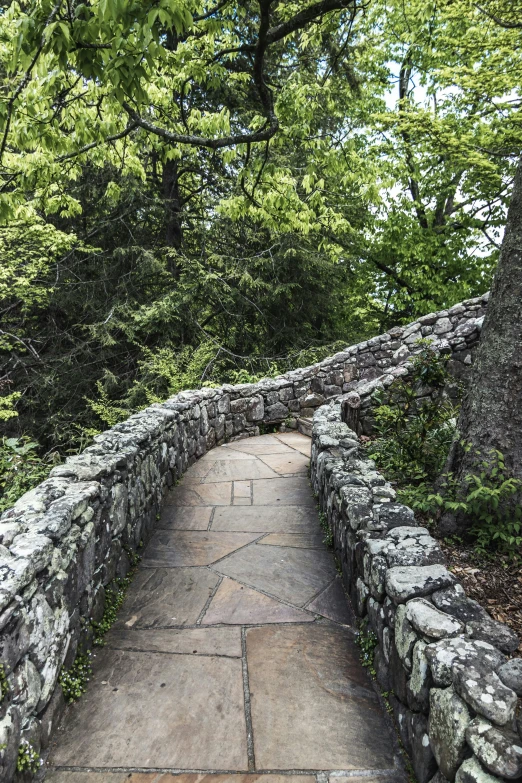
point(501, 22)
point(26, 79)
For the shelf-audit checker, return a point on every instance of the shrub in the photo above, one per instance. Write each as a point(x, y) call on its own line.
point(490, 498)
point(415, 422)
point(28, 758)
point(21, 468)
point(74, 680)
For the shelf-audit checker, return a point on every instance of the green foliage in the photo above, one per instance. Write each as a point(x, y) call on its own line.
point(367, 642)
point(7, 406)
point(414, 423)
point(140, 258)
point(490, 498)
point(74, 680)
point(327, 530)
point(28, 759)
point(21, 468)
point(114, 598)
point(4, 685)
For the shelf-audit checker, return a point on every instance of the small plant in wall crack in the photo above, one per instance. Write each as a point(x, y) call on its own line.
point(28, 759)
point(74, 680)
point(367, 642)
point(325, 527)
point(4, 685)
point(114, 598)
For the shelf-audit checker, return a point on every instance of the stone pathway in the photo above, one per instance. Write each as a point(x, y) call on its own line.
point(233, 656)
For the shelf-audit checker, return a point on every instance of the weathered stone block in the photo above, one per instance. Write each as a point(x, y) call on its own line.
point(471, 771)
point(405, 582)
point(421, 680)
point(511, 675)
point(486, 693)
point(444, 654)
point(498, 750)
point(428, 620)
point(448, 720)
point(405, 637)
point(499, 635)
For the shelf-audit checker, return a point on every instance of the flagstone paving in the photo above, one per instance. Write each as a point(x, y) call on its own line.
point(233, 658)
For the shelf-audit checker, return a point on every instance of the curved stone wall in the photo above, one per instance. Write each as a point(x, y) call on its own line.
point(64, 542)
point(439, 654)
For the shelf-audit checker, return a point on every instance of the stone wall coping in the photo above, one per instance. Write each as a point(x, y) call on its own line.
point(455, 693)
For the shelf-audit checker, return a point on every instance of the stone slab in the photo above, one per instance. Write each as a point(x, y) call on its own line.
point(222, 453)
point(293, 462)
point(157, 711)
point(287, 519)
point(238, 470)
point(391, 777)
point(283, 492)
point(270, 447)
point(236, 604)
point(296, 441)
point(185, 518)
point(214, 494)
point(313, 706)
point(299, 540)
point(166, 596)
point(67, 776)
point(174, 548)
point(294, 575)
point(334, 604)
point(192, 641)
point(242, 493)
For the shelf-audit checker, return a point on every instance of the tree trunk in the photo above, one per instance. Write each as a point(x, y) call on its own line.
point(171, 197)
point(491, 414)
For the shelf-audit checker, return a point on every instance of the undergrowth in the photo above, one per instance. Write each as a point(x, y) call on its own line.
point(415, 424)
point(28, 758)
point(367, 642)
point(4, 685)
point(21, 468)
point(74, 680)
point(114, 598)
point(325, 527)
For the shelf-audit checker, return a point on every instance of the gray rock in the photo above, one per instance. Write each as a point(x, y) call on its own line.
point(415, 550)
point(400, 355)
point(421, 680)
point(362, 595)
point(444, 654)
point(277, 412)
point(499, 751)
point(377, 575)
point(392, 515)
point(428, 620)
point(312, 401)
point(439, 778)
point(471, 771)
point(497, 634)
point(442, 326)
point(9, 742)
point(357, 502)
point(405, 582)
point(448, 721)
point(485, 692)
point(453, 601)
point(423, 760)
point(405, 637)
point(398, 675)
point(511, 675)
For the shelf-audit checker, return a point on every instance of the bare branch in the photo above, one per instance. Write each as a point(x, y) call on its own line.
point(501, 22)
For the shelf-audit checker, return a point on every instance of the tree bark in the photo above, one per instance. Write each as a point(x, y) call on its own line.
point(171, 196)
point(491, 413)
